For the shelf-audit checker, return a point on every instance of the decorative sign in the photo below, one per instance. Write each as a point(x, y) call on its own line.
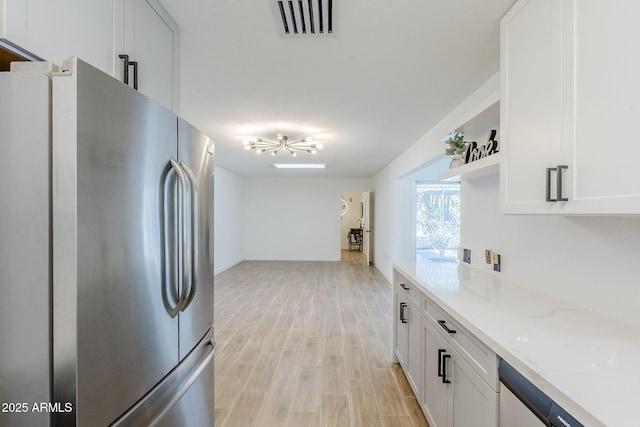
point(476, 152)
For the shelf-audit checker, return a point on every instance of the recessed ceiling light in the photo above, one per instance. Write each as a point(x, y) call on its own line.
point(300, 165)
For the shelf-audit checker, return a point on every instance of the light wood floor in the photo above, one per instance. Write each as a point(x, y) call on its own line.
point(307, 344)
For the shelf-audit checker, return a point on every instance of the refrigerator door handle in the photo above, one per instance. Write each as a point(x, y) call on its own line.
point(183, 254)
point(171, 275)
point(193, 243)
point(151, 408)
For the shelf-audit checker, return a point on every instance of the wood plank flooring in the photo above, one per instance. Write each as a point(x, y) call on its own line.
point(307, 344)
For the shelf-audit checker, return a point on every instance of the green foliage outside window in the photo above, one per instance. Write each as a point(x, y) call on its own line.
point(437, 221)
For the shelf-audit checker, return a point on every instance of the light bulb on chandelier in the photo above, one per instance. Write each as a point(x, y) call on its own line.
point(262, 145)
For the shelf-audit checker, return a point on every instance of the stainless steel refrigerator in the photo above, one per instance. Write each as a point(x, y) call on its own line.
point(106, 255)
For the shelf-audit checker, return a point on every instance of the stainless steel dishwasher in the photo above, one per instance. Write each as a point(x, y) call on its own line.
point(522, 404)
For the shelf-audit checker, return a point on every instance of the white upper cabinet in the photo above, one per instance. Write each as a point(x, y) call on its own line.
point(99, 32)
point(568, 105)
point(57, 30)
point(532, 103)
point(147, 34)
point(606, 148)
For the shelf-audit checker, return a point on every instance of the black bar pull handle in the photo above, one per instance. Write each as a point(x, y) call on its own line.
point(405, 287)
point(444, 369)
point(559, 193)
point(440, 351)
point(445, 327)
point(403, 319)
point(134, 64)
point(125, 75)
point(548, 198)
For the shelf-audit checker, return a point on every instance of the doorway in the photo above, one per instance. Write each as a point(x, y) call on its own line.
point(354, 227)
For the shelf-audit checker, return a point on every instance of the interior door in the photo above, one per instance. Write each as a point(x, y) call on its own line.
point(366, 226)
point(195, 154)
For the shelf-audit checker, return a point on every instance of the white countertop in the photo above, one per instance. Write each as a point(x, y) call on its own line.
point(587, 362)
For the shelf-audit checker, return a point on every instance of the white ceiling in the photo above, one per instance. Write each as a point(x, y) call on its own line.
point(389, 71)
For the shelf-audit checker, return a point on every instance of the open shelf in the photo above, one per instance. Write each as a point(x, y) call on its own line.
point(483, 167)
point(487, 119)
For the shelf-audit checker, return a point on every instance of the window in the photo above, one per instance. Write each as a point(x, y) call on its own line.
point(437, 221)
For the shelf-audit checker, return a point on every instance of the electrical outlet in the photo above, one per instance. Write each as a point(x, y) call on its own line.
point(498, 264)
point(487, 256)
point(466, 256)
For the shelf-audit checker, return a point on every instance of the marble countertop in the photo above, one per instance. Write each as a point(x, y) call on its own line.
point(587, 362)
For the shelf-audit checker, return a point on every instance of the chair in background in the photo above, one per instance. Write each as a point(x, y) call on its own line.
point(355, 238)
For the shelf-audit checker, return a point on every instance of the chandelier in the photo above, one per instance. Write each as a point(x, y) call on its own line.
point(262, 145)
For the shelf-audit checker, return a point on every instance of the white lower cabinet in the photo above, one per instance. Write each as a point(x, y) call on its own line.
point(414, 365)
point(408, 337)
point(436, 399)
point(400, 328)
point(453, 374)
point(454, 393)
point(474, 402)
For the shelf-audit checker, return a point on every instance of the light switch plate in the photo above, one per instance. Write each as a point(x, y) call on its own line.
point(487, 256)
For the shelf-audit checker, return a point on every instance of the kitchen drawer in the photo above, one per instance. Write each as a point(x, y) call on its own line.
point(482, 359)
point(411, 290)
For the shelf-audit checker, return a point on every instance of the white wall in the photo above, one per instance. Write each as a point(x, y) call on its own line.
point(591, 261)
point(294, 218)
point(228, 227)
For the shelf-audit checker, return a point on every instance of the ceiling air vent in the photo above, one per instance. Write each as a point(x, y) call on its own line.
point(306, 16)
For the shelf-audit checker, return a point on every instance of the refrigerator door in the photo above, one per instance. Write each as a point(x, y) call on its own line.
point(183, 398)
point(196, 407)
point(25, 248)
point(113, 282)
point(195, 153)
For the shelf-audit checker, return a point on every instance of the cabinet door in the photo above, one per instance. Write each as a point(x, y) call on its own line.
point(49, 30)
point(474, 402)
point(605, 147)
point(414, 351)
point(148, 34)
point(401, 327)
point(531, 103)
point(436, 394)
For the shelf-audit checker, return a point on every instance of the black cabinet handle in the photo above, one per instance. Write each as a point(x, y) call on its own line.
point(444, 369)
point(125, 74)
point(559, 193)
point(405, 287)
point(402, 314)
point(440, 351)
point(134, 64)
point(558, 169)
point(445, 327)
point(548, 198)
